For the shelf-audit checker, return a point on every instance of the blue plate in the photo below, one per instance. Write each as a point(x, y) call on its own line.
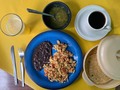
point(52, 36)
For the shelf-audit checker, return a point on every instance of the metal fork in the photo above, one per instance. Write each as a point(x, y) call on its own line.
point(21, 55)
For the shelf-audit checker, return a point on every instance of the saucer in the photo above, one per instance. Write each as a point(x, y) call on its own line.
point(91, 35)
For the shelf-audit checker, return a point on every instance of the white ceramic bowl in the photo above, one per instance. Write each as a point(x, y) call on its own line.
point(111, 84)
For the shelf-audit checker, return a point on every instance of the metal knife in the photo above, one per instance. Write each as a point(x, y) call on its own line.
point(14, 65)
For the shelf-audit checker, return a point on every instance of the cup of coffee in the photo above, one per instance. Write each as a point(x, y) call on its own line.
point(96, 21)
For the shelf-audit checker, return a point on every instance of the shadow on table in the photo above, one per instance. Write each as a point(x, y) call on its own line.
point(74, 7)
point(34, 19)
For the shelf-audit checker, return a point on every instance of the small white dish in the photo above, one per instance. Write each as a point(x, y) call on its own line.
point(91, 35)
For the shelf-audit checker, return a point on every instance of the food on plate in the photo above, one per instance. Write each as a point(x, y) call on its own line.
point(93, 70)
point(42, 54)
point(60, 65)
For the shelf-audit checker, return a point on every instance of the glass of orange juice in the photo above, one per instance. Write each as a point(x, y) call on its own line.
point(11, 24)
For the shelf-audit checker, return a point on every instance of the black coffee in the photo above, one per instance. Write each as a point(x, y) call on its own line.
point(96, 20)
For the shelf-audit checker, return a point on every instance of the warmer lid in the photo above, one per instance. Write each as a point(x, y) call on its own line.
point(108, 55)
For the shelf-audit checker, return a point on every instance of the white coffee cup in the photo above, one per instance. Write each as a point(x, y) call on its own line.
point(94, 24)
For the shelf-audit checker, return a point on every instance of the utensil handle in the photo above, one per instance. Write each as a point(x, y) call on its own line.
point(107, 28)
point(14, 65)
point(22, 73)
point(38, 12)
point(15, 76)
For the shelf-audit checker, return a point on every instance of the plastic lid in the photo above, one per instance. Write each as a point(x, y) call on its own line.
point(108, 55)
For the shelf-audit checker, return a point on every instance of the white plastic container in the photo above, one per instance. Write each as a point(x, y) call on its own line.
point(108, 57)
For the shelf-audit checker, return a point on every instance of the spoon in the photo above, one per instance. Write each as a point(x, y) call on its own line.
point(21, 55)
point(38, 12)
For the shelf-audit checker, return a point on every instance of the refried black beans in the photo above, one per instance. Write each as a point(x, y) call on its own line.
point(41, 55)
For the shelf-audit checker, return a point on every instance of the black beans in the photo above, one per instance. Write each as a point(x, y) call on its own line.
point(41, 55)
